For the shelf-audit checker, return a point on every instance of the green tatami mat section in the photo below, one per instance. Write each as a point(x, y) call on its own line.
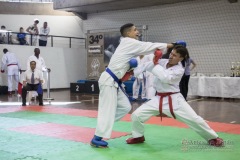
point(162, 142)
point(16, 145)
point(11, 122)
point(53, 118)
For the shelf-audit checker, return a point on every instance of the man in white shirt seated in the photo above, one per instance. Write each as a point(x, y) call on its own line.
point(32, 81)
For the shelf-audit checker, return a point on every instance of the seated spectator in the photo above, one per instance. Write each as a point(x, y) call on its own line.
point(21, 37)
point(4, 36)
point(32, 81)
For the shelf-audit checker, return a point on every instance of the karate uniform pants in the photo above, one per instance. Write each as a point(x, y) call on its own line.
point(10, 82)
point(136, 87)
point(150, 91)
point(182, 111)
point(13, 73)
point(113, 105)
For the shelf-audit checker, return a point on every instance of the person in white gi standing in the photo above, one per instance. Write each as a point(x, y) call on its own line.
point(169, 100)
point(113, 103)
point(150, 91)
point(140, 80)
point(40, 63)
point(149, 77)
point(10, 61)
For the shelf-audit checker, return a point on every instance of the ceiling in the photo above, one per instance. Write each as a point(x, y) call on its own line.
point(84, 7)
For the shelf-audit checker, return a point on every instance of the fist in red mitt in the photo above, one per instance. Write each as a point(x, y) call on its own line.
point(157, 55)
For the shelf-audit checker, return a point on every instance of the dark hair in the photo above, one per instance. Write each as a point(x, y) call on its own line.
point(183, 53)
point(125, 27)
point(187, 56)
point(33, 61)
point(5, 50)
point(20, 29)
point(3, 27)
point(36, 49)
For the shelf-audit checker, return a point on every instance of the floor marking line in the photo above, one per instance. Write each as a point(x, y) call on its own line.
point(89, 100)
point(196, 100)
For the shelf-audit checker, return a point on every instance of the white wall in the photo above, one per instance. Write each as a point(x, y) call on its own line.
point(211, 29)
point(70, 26)
point(67, 65)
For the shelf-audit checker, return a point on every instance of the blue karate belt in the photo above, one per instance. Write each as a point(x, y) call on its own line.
point(119, 82)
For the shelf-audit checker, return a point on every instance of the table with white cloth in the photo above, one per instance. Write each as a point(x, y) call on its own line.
point(225, 87)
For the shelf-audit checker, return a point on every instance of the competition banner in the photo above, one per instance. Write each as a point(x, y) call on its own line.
point(100, 48)
point(95, 55)
point(111, 42)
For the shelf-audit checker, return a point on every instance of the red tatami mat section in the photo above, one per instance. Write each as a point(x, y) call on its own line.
point(67, 132)
point(66, 111)
point(219, 127)
point(55, 110)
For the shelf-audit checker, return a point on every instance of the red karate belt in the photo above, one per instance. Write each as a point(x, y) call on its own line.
point(11, 64)
point(162, 95)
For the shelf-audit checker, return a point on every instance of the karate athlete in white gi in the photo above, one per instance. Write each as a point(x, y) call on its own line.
point(169, 100)
point(149, 77)
point(150, 91)
point(140, 80)
point(113, 103)
point(10, 61)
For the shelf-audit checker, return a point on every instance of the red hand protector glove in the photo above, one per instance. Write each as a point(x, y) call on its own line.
point(127, 76)
point(157, 56)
